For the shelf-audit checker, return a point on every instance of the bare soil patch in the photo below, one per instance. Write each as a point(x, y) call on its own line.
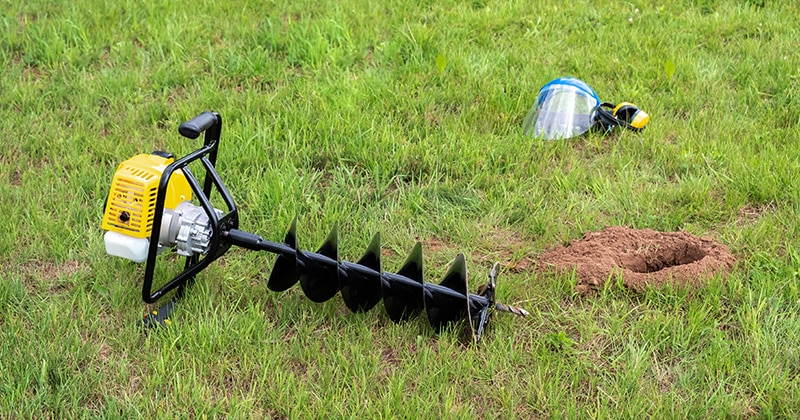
point(641, 257)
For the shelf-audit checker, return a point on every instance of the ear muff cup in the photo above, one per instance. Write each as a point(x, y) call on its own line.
point(631, 114)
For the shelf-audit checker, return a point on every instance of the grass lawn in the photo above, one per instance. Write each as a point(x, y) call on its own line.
point(403, 118)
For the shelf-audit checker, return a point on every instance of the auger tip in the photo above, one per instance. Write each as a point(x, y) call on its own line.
point(511, 309)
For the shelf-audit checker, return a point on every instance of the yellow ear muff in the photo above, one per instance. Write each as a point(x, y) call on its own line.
point(632, 115)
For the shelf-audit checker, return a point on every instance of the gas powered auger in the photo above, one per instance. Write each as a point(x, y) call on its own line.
point(156, 203)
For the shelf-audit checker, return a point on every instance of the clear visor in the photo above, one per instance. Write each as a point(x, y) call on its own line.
point(562, 111)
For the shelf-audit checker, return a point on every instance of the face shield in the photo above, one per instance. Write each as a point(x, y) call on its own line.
point(564, 108)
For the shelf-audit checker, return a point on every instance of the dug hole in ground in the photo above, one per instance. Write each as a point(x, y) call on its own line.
point(641, 257)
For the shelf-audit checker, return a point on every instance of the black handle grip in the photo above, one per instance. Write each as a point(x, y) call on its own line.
point(192, 128)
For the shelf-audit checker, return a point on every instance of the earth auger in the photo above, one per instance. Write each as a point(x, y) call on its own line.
point(155, 203)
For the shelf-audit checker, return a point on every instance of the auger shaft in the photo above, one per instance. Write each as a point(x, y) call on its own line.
point(256, 243)
point(364, 284)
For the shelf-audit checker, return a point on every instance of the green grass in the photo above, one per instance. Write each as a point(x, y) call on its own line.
point(403, 118)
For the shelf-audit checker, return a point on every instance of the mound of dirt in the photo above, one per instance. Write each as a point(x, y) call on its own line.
point(641, 257)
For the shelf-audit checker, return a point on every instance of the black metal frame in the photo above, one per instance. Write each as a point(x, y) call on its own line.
point(211, 123)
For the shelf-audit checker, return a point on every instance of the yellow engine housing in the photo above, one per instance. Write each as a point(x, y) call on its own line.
point(132, 199)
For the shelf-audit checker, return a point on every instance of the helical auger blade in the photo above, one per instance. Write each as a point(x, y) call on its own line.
point(363, 284)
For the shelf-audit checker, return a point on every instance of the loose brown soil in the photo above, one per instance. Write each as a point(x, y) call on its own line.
point(641, 257)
